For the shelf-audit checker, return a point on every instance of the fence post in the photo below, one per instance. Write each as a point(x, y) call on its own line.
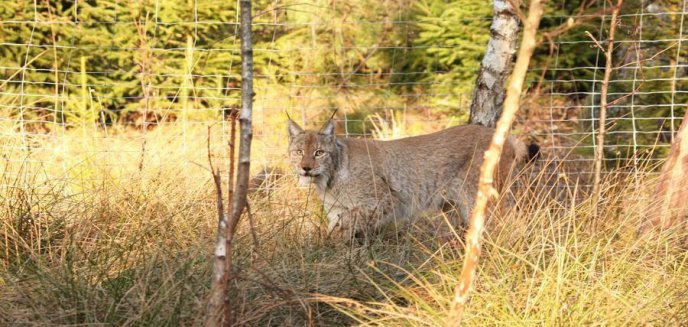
point(187, 84)
point(84, 115)
point(489, 92)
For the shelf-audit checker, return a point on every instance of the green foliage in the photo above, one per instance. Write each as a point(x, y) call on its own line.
point(365, 56)
point(86, 62)
point(641, 90)
point(136, 56)
point(452, 37)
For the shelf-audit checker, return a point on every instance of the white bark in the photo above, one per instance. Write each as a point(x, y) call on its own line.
point(489, 92)
point(218, 287)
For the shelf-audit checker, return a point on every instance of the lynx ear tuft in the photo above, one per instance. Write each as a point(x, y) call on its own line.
point(328, 129)
point(294, 128)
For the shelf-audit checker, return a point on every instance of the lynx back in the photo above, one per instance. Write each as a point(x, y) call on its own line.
point(367, 184)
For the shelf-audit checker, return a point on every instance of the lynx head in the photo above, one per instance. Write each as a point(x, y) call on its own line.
point(313, 154)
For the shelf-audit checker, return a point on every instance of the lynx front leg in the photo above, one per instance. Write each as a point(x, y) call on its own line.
point(367, 215)
point(356, 223)
point(465, 204)
point(335, 217)
point(368, 223)
point(345, 223)
point(455, 216)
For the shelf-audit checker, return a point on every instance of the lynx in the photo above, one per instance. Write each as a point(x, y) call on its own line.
point(366, 184)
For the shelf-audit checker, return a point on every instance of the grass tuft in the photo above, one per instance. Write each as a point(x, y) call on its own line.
point(129, 242)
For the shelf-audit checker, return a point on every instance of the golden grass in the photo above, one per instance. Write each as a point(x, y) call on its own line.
point(90, 235)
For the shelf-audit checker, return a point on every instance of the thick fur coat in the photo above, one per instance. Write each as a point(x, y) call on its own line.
point(366, 184)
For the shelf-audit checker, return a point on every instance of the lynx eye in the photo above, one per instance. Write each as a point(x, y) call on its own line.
point(319, 153)
point(299, 152)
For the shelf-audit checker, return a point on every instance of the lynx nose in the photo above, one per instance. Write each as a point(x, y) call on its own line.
point(306, 169)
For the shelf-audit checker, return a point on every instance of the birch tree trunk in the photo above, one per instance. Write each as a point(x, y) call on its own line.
point(489, 93)
point(672, 190)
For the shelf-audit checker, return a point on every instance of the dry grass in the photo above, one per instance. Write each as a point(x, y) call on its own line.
point(127, 241)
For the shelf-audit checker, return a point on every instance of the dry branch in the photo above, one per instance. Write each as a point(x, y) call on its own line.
point(229, 232)
point(486, 189)
point(582, 16)
point(245, 116)
point(599, 150)
point(218, 285)
point(239, 201)
point(220, 304)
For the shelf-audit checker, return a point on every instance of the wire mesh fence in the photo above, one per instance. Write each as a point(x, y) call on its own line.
point(127, 84)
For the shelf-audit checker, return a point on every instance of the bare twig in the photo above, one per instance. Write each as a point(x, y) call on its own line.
point(245, 116)
point(516, 7)
point(254, 234)
point(548, 61)
point(597, 43)
point(228, 231)
point(599, 150)
point(647, 59)
point(574, 21)
point(230, 196)
point(246, 134)
point(218, 286)
point(548, 36)
point(642, 74)
point(219, 312)
point(486, 190)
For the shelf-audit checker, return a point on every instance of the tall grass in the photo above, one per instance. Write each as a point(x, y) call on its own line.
point(129, 242)
point(552, 263)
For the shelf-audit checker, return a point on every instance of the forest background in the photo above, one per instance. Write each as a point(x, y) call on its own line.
point(111, 112)
point(67, 63)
